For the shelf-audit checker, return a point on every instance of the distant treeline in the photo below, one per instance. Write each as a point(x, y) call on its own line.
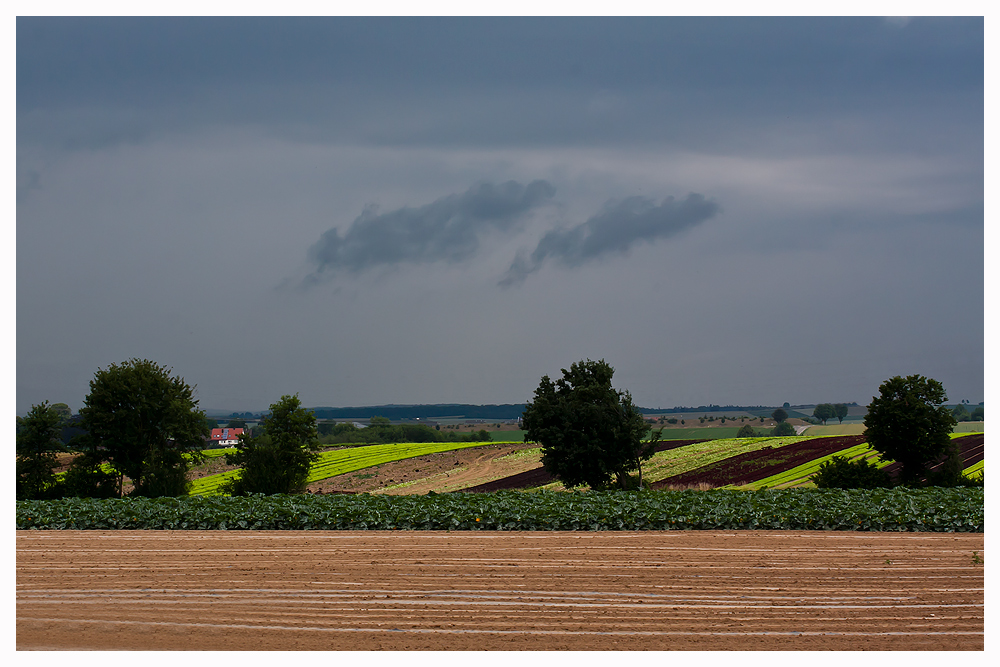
point(381, 431)
point(398, 412)
point(499, 412)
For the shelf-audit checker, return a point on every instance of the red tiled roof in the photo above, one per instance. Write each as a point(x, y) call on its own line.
point(226, 433)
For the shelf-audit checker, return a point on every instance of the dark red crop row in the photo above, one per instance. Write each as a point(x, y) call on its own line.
point(755, 466)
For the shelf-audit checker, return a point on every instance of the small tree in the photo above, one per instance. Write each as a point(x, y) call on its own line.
point(783, 429)
point(746, 432)
point(37, 442)
point(907, 422)
point(590, 433)
point(779, 415)
point(142, 421)
point(277, 461)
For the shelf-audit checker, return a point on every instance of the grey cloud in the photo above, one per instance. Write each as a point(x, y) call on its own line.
point(27, 180)
point(448, 229)
point(621, 225)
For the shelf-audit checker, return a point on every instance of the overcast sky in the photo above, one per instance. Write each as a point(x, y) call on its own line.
point(370, 211)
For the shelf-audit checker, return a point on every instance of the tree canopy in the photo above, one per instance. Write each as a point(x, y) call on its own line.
point(823, 411)
point(589, 432)
point(908, 423)
point(779, 415)
point(278, 460)
point(840, 411)
point(142, 420)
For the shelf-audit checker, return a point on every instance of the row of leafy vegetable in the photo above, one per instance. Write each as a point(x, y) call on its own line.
point(899, 509)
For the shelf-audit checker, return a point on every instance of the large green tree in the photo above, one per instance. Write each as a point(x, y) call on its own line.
point(908, 423)
point(142, 420)
point(589, 432)
point(278, 460)
point(823, 411)
point(840, 411)
point(37, 443)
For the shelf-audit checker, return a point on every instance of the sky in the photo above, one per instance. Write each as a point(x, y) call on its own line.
point(368, 211)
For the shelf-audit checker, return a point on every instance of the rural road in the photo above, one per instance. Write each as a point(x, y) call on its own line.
point(328, 590)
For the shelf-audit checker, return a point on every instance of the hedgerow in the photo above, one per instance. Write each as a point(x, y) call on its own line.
point(918, 510)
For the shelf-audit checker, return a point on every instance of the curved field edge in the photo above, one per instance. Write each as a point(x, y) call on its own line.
point(923, 510)
point(341, 461)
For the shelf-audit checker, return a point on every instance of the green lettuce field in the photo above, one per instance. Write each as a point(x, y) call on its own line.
point(925, 510)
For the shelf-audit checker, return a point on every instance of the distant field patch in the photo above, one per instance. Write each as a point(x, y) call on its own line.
point(854, 428)
point(857, 428)
point(704, 433)
point(969, 427)
point(507, 436)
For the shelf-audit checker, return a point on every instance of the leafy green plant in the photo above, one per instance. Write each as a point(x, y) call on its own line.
point(915, 510)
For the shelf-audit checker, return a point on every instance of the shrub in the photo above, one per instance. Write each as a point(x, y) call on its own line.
point(783, 429)
point(842, 473)
point(746, 432)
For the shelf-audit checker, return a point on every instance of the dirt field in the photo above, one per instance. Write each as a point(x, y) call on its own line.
point(697, 590)
point(441, 472)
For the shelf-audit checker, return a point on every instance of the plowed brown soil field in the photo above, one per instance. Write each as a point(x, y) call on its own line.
point(317, 590)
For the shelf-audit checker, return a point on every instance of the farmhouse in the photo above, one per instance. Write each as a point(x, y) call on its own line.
point(225, 437)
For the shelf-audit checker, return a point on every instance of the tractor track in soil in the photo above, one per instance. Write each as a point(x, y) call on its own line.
point(373, 590)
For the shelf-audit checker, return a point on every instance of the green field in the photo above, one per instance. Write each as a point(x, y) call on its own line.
point(704, 433)
point(969, 427)
point(507, 436)
point(854, 428)
point(857, 428)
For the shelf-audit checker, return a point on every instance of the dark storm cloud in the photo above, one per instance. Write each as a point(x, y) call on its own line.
point(621, 225)
point(86, 82)
point(447, 229)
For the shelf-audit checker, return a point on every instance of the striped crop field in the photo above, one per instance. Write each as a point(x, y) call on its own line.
point(691, 457)
point(341, 461)
point(799, 476)
point(752, 463)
